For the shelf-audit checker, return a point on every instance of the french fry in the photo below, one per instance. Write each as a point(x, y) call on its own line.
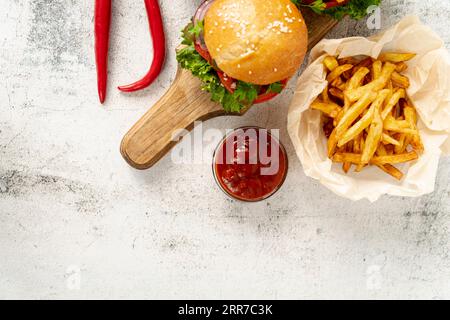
point(338, 71)
point(357, 78)
point(401, 66)
point(357, 144)
point(375, 133)
point(407, 103)
point(335, 92)
point(400, 129)
point(396, 57)
point(353, 112)
point(387, 139)
point(398, 94)
point(362, 143)
point(400, 148)
point(344, 110)
point(393, 159)
point(332, 143)
point(327, 126)
point(411, 118)
point(341, 86)
point(347, 157)
point(325, 96)
point(388, 168)
point(399, 122)
point(375, 85)
point(330, 63)
point(400, 81)
point(391, 170)
point(401, 126)
point(329, 108)
point(353, 158)
point(390, 86)
point(377, 66)
point(408, 140)
point(357, 128)
point(347, 165)
point(417, 144)
point(360, 166)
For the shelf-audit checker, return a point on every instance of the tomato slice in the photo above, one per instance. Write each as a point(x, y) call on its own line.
point(332, 4)
point(328, 4)
point(264, 97)
point(227, 81)
point(203, 52)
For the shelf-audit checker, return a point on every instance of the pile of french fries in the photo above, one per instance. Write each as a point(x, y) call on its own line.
point(368, 117)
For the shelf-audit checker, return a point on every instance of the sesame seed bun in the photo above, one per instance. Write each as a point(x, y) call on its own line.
point(256, 41)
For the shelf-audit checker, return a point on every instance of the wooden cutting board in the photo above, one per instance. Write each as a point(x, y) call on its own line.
point(183, 104)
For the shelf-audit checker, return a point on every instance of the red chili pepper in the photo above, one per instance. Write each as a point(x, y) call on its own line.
point(159, 47)
point(102, 21)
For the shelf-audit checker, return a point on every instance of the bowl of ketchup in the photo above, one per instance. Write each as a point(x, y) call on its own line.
point(250, 164)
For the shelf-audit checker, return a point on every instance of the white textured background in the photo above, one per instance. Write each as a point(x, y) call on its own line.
point(71, 208)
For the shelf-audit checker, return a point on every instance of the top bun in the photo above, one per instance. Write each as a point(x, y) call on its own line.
point(256, 41)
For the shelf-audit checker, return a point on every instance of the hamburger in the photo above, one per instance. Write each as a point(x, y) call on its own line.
point(244, 51)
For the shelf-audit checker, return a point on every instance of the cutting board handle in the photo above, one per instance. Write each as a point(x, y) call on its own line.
point(183, 104)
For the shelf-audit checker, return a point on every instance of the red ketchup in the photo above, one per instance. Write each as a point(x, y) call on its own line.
point(250, 164)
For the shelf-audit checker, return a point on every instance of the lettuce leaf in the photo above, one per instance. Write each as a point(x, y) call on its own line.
point(356, 9)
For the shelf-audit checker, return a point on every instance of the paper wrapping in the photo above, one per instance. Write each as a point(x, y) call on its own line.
point(429, 74)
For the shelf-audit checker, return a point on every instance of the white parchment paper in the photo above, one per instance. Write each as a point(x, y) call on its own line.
point(429, 74)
